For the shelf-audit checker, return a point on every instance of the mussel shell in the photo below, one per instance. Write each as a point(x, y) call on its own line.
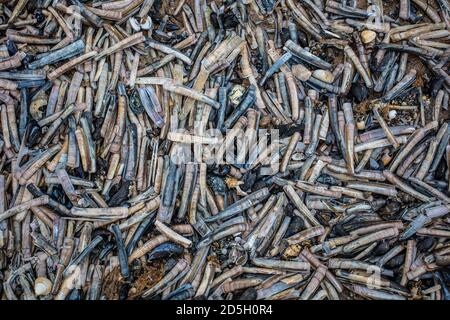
point(297, 224)
point(217, 184)
point(135, 103)
point(28, 59)
point(261, 182)
point(34, 134)
point(249, 179)
point(381, 248)
point(121, 195)
point(215, 20)
point(154, 12)
point(106, 250)
point(440, 173)
point(395, 262)
point(12, 48)
point(425, 244)
point(275, 189)
point(339, 230)
point(59, 195)
point(123, 291)
point(40, 17)
point(414, 17)
point(172, 27)
point(248, 294)
point(359, 91)
point(165, 250)
point(285, 36)
point(230, 21)
point(391, 209)
point(326, 179)
point(170, 263)
point(436, 85)
point(285, 130)
point(222, 170)
point(302, 38)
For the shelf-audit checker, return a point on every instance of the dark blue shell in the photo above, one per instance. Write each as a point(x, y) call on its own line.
point(165, 250)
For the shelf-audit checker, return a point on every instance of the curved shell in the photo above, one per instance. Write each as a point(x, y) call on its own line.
point(42, 286)
point(392, 114)
point(134, 24)
point(146, 23)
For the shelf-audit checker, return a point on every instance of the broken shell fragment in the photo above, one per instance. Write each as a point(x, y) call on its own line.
point(301, 72)
point(146, 23)
point(367, 36)
point(135, 24)
point(236, 94)
point(323, 75)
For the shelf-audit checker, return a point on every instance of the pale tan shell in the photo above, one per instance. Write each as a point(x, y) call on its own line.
point(36, 106)
point(42, 286)
point(368, 36)
point(323, 75)
point(361, 125)
point(292, 250)
point(386, 158)
point(301, 72)
point(232, 182)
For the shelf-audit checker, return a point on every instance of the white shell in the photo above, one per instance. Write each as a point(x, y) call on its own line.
point(323, 75)
point(392, 114)
point(146, 23)
point(368, 36)
point(298, 156)
point(301, 72)
point(134, 24)
point(42, 286)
